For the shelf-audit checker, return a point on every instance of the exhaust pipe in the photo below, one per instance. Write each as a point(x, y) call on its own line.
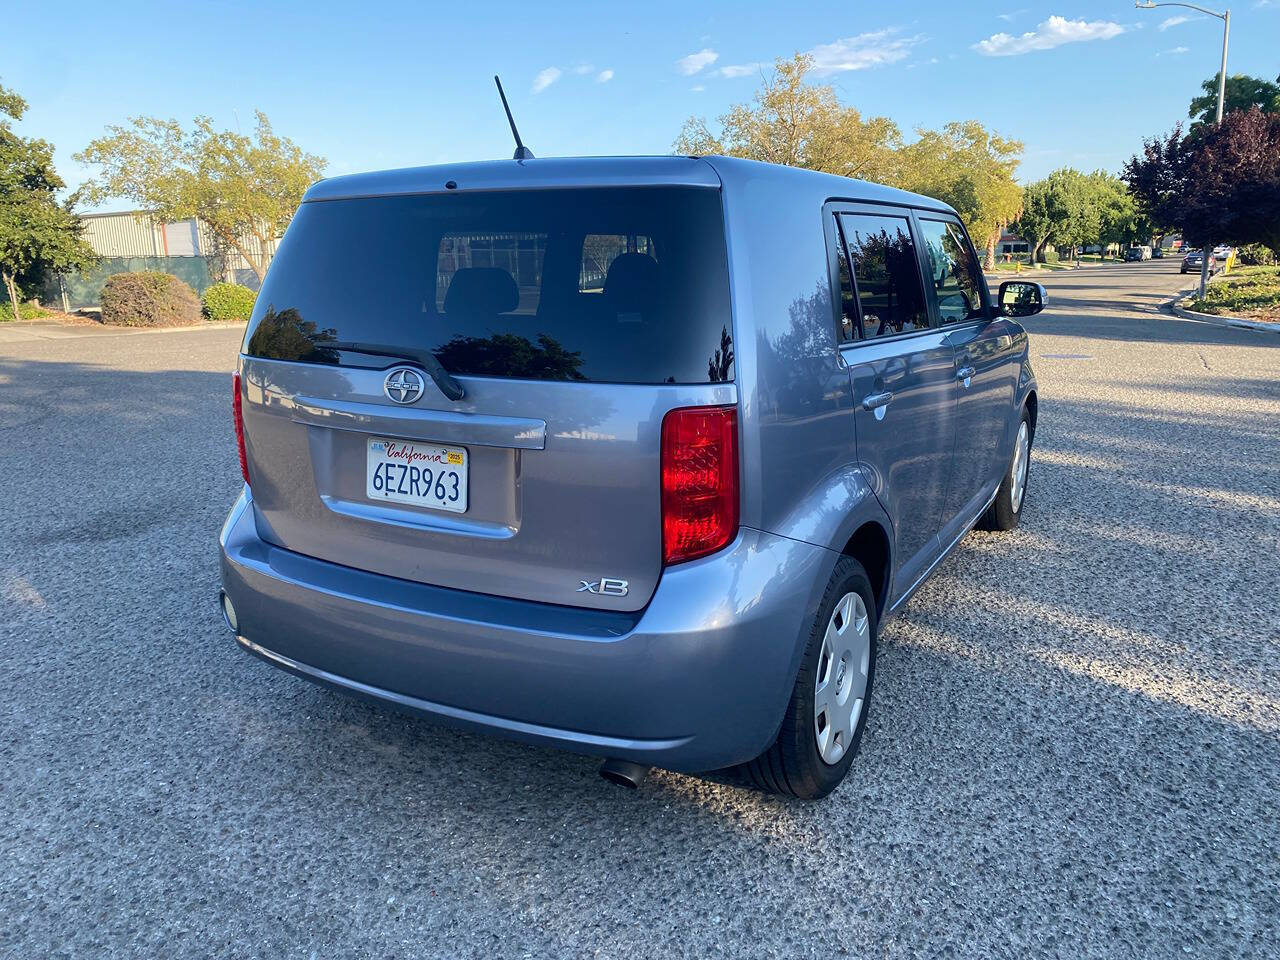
point(624, 772)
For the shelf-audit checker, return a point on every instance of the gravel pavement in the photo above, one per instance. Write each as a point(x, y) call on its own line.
point(1073, 749)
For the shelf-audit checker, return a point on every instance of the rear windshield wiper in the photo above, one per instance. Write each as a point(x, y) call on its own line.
point(425, 359)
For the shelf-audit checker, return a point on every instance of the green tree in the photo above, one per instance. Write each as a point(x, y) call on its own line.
point(1036, 221)
point(1061, 209)
point(800, 124)
point(37, 234)
point(1241, 93)
point(237, 185)
point(971, 169)
point(1121, 219)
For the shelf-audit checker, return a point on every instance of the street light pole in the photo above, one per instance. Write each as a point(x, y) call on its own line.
point(1225, 17)
point(1222, 74)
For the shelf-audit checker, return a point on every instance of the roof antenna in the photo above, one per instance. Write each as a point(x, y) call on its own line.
point(522, 152)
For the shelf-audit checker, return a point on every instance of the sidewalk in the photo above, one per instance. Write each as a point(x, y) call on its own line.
point(25, 331)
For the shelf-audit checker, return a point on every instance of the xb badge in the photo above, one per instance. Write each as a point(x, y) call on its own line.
point(605, 586)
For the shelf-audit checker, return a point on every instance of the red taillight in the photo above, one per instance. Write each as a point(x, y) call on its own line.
point(239, 418)
point(699, 481)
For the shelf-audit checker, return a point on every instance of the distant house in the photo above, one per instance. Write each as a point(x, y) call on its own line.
point(1011, 243)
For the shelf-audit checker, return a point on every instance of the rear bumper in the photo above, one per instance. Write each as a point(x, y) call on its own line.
point(698, 680)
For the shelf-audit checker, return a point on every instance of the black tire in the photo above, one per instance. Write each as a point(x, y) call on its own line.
point(1004, 514)
point(793, 766)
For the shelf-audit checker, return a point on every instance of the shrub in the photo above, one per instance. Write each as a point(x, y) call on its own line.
point(26, 311)
point(1251, 292)
point(228, 302)
point(1051, 256)
point(1257, 255)
point(148, 299)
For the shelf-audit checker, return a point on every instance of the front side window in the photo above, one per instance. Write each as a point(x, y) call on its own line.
point(953, 271)
point(886, 276)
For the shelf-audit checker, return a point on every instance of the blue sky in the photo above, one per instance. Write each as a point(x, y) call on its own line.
point(385, 85)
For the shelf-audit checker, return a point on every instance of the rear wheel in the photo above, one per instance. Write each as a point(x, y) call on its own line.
point(1006, 509)
point(823, 725)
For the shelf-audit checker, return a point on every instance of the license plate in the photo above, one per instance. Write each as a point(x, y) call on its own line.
point(422, 474)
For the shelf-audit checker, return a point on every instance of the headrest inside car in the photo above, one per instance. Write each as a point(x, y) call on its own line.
point(632, 284)
point(481, 290)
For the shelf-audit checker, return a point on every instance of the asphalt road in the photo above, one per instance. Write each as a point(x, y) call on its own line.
point(1073, 750)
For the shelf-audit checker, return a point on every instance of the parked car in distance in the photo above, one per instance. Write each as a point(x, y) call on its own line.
point(628, 456)
point(1138, 253)
point(1193, 262)
point(1157, 253)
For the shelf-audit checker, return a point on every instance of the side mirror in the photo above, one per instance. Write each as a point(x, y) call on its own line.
point(1021, 298)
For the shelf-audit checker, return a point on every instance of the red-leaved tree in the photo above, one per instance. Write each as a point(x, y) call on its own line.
point(1218, 184)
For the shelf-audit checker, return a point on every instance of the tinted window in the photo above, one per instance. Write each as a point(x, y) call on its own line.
point(598, 253)
point(617, 285)
point(953, 272)
point(886, 276)
point(848, 306)
point(519, 254)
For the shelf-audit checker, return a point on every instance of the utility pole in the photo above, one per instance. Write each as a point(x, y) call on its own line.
point(1225, 17)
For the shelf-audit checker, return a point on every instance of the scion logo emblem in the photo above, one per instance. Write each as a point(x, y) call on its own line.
point(605, 586)
point(404, 385)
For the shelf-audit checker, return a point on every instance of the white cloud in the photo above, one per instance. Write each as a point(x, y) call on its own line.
point(545, 78)
point(1174, 52)
point(873, 49)
point(1054, 32)
point(697, 89)
point(740, 70)
point(866, 50)
point(604, 76)
point(1011, 15)
point(697, 61)
point(583, 69)
point(1168, 22)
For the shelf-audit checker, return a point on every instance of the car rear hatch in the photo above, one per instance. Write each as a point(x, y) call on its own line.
point(572, 320)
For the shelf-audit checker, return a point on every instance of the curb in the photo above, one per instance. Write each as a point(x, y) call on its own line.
point(1220, 321)
point(32, 332)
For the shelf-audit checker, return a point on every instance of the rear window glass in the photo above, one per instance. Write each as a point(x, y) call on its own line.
point(600, 250)
point(520, 254)
point(613, 285)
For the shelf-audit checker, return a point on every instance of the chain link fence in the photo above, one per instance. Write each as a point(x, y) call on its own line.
point(77, 291)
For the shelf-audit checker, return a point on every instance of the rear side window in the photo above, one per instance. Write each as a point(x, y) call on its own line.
point(612, 285)
point(886, 276)
point(953, 272)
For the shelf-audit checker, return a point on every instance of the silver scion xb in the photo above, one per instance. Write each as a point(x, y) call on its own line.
point(628, 456)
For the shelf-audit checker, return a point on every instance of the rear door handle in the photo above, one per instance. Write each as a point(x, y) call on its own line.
point(964, 374)
point(876, 402)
